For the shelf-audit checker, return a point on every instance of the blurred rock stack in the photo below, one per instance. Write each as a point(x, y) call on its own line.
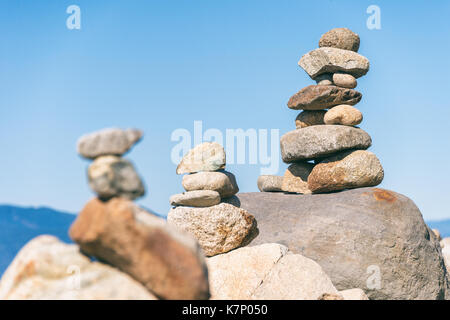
point(327, 152)
point(218, 227)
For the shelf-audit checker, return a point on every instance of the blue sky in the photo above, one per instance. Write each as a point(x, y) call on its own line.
point(161, 65)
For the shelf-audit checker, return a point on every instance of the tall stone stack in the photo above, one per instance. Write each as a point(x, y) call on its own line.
point(326, 151)
point(111, 228)
point(218, 226)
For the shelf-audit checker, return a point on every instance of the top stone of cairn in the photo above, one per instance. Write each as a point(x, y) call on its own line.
point(208, 156)
point(111, 141)
point(341, 38)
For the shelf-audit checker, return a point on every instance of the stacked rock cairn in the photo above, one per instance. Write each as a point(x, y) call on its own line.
point(327, 152)
point(204, 210)
point(168, 263)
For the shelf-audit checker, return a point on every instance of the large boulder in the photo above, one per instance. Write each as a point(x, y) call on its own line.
point(358, 236)
point(111, 141)
point(321, 141)
point(166, 261)
point(48, 269)
point(218, 229)
point(332, 60)
point(267, 271)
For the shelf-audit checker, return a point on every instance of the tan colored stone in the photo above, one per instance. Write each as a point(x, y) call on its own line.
point(269, 183)
point(294, 277)
point(437, 234)
point(198, 198)
point(208, 156)
point(309, 118)
point(330, 296)
point(325, 79)
point(166, 261)
point(332, 60)
point(48, 269)
point(354, 294)
point(344, 115)
point(218, 229)
point(221, 181)
point(344, 80)
point(315, 97)
point(445, 242)
point(111, 141)
point(238, 273)
point(347, 170)
point(296, 178)
point(112, 176)
point(341, 38)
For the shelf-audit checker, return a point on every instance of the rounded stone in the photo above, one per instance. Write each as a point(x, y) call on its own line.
point(343, 114)
point(198, 198)
point(208, 156)
point(269, 183)
point(315, 97)
point(309, 118)
point(221, 181)
point(111, 176)
point(341, 38)
point(344, 80)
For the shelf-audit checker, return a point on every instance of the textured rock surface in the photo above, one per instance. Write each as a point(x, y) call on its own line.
point(166, 261)
point(319, 97)
point(267, 271)
point(221, 181)
point(346, 170)
point(110, 141)
point(437, 234)
point(269, 183)
point(353, 294)
point(112, 176)
point(320, 141)
point(343, 114)
point(48, 269)
point(296, 178)
point(295, 277)
point(208, 156)
point(218, 229)
point(332, 60)
point(350, 231)
point(344, 80)
point(236, 274)
point(325, 79)
point(199, 198)
point(341, 38)
point(309, 118)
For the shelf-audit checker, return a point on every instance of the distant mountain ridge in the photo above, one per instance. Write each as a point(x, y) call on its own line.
point(18, 225)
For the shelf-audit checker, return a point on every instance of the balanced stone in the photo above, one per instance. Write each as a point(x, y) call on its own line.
point(315, 97)
point(112, 176)
point(332, 60)
point(347, 170)
point(296, 178)
point(198, 198)
point(341, 38)
point(208, 156)
point(344, 80)
point(167, 261)
point(48, 269)
point(218, 229)
point(270, 183)
point(344, 115)
point(111, 141)
point(221, 181)
point(325, 79)
point(309, 118)
point(320, 141)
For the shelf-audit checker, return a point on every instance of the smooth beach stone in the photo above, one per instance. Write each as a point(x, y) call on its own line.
point(347, 170)
point(341, 38)
point(308, 118)
point(320, 141)
point(344, 80)
point(198, 198)
point(315, 97)
point(343, 114)
point(221, 181)
point(332, 60)
point(269, 183)
point(208, 156)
